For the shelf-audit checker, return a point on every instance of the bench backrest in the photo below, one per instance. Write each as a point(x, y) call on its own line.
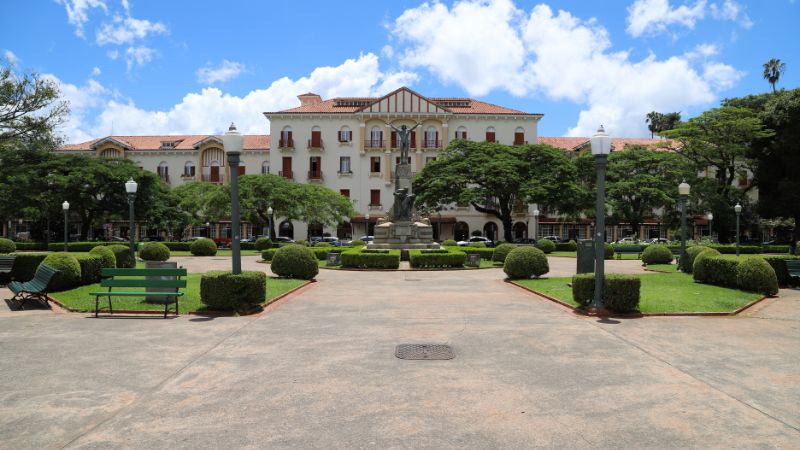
point(7, 262)
point(112, 272)
point(42, 278)
point(141, 281)
point(792, 264)
point(628, 248)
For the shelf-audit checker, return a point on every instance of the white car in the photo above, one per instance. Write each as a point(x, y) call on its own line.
point(485, 241)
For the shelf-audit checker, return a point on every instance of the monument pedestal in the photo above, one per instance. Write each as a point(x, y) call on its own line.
point(403, 235)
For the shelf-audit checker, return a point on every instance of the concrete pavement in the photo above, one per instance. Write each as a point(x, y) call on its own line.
point(319, 371)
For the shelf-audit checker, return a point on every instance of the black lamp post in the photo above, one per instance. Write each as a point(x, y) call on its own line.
point(233, 143)
point(130, 188)
point(270, 211)
point(738, 210)
point(65, 207)
point(601, 147)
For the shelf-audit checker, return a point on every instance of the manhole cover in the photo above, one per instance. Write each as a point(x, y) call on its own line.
point(424, 351)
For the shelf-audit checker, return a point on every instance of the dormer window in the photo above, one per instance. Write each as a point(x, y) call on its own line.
point(168, 145)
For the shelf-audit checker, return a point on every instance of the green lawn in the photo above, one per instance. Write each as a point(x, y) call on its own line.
point(79, 298)
point(674, 292)
point(666, 268)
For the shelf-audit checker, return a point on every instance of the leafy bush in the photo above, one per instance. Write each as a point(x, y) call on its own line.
point(357, 243)
point(295, 261)
point(486, 253)
point(178, 246)
point(31, 246)
point(303, 242)
point(778, 263)
point(90, 268)
point(321, 253)
point(700, 270)
point(435, 258)
point(756, 275)
point(7, 246)
point(501, 251)
point(449, 243)
point(608, 251)
point(476, 245)
point(775, 249)
point(203, 247)
point(570, 246)
point(154, 251)
point(107, 258)
point(123, 256)
point(743, 249)
point(25, 265)
point(267, 254)
point(76, 246)
point(371, 259)
point(69, 275)
point(525, 262)
point(263, 243)
point(546, 245)
point(225, 291)
point(686, 262)
point(323, 244)
point(621, 293)
point(656, 254)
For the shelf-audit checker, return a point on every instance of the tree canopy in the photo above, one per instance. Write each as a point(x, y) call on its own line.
point(773, 69)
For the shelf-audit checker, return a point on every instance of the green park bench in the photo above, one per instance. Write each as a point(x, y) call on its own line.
point(793, 267)
point(138, 278)
point(620, 250)
point(35, 288)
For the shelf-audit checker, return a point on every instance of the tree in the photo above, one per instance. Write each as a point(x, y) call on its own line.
point(493, 178)
point(773, 69)
point(658, 122)
point(29, 107)
point(201, 201)
point(641, 180)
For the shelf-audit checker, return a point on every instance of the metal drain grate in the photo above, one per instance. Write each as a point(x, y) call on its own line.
point(424, 351)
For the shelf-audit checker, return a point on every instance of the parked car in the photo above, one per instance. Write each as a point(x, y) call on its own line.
point(282, 240)
point(628, 240)
point(314, 239)
point(525, 241)
point(334, 241)
point(367, 239)
point(484, 240)
point(659, 241)
point(553, 238)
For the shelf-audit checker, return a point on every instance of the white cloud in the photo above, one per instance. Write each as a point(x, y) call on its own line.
point(560, 57)
point(96, 71)
point(731, 10)
point(11, 57)
point(227, 70)
point(138, 56)
point(78, 12)
point(83, 100)
point(113, 54)
point(702, 51)
point(211, 109)
point(126, 30)
point(653, 16)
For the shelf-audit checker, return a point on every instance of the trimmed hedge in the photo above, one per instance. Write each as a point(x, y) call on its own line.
point(203, 247)
point(295, 261)
point(501, 251)
point(686, 263)
point(608, 251)
point(90, 268)
point(486, 253)
point(525, 262)
point(31, 246)
point(570, 246)
point(476, 245)
point(7, 246)
point(223, 290)
point(743, 249)
point(778, 263)
point(107, 258)
point(69, 271)
point(122, 254)
point(422, 259)
point(699, 268)
point(79, 246)
point(178, 246)
point(262, 243)
point(449, 243)
point(656, 254)
point(737, 273)
point(621, 293)
point(775, 249)
point(357, 243)
point(25, 265)
point(756, 275)
point(321, 253)
point(267, 254)
point(546, 245)
point(154, 251)
point(371, 259)
point(322, 244)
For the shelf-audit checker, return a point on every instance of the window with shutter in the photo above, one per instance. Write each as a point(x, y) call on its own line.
point(490, 136)
point(375, 197)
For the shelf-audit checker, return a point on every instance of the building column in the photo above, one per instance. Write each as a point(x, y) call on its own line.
point(445, 134)
point(419, 136)
point(419, 158)
point(387, 163)
point(362, 136)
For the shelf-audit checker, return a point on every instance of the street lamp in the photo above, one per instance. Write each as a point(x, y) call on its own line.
point(366, 218)
point(738, 209)
point(233, 141)
point(65, 207)
point(535, 224)
point(710, 218)
point(601, 147)
point(269, 222)
point(130, 188)
point(683, 195)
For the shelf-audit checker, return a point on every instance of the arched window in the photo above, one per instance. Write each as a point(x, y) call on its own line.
point(490, 231)
point(163, 171)
point(519, 136)
point(490, 135)
point(345, 135)
point(188, 169)
point(376, 137)
point(461, 231)
point(265, 167)
point(431, 138)
point(314, 230)
point(316, 137)
point(286, 140)
point(286, 229)
point(461, 132)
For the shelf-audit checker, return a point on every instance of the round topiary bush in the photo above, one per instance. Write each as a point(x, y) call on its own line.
point(203, 247)
point(656, 254)
point(222, 290)
point(545, 245)
point(154, 251)
point(477, 245)
point(69, 271)
point(700, 271)
point(525, 262)
point(756, 275)
point(263, 243)
point(686, 263)
point(123, 256)
point(7, 246)
point(608, 251)
point(502, 251)
point(449, 243)
point(295, 261)
point(571, 246)
point(107, 258)
point(357, 243)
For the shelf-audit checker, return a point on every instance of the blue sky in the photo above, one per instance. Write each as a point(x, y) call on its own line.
point(146, 67)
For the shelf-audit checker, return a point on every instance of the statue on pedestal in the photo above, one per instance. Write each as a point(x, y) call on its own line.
point(404, 135)
point(403, 205)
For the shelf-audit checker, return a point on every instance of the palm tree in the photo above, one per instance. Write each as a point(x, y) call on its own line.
point(654, 120)
point(773, 69)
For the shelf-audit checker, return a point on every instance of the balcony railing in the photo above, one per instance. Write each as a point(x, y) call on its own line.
point(315, 175)
point(286, 143)
point(375, 207)
point(315, 145)
point(286, 174)
point(374, 143)
point(219, 179)
point(432, 143)
point(164, 177)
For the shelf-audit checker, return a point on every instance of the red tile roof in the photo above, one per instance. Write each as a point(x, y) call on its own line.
point(578, 143)
point(182, 142)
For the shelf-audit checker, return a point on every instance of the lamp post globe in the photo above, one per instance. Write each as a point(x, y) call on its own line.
point(269, 222)
point(683, 195)
point(65, 207)
point(232, 142)
point(130, 188)
point(601, 147)
point(738, 210)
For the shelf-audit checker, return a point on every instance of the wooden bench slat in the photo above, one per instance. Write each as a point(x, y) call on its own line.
point(116, 282)
point(108, 272)
point(140, 278)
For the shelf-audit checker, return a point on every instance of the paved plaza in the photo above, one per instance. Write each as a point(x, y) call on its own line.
point(318, 371)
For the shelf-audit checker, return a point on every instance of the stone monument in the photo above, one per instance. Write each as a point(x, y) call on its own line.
point(402, 229)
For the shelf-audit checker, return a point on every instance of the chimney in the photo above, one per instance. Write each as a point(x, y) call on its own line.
point(309, 98)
